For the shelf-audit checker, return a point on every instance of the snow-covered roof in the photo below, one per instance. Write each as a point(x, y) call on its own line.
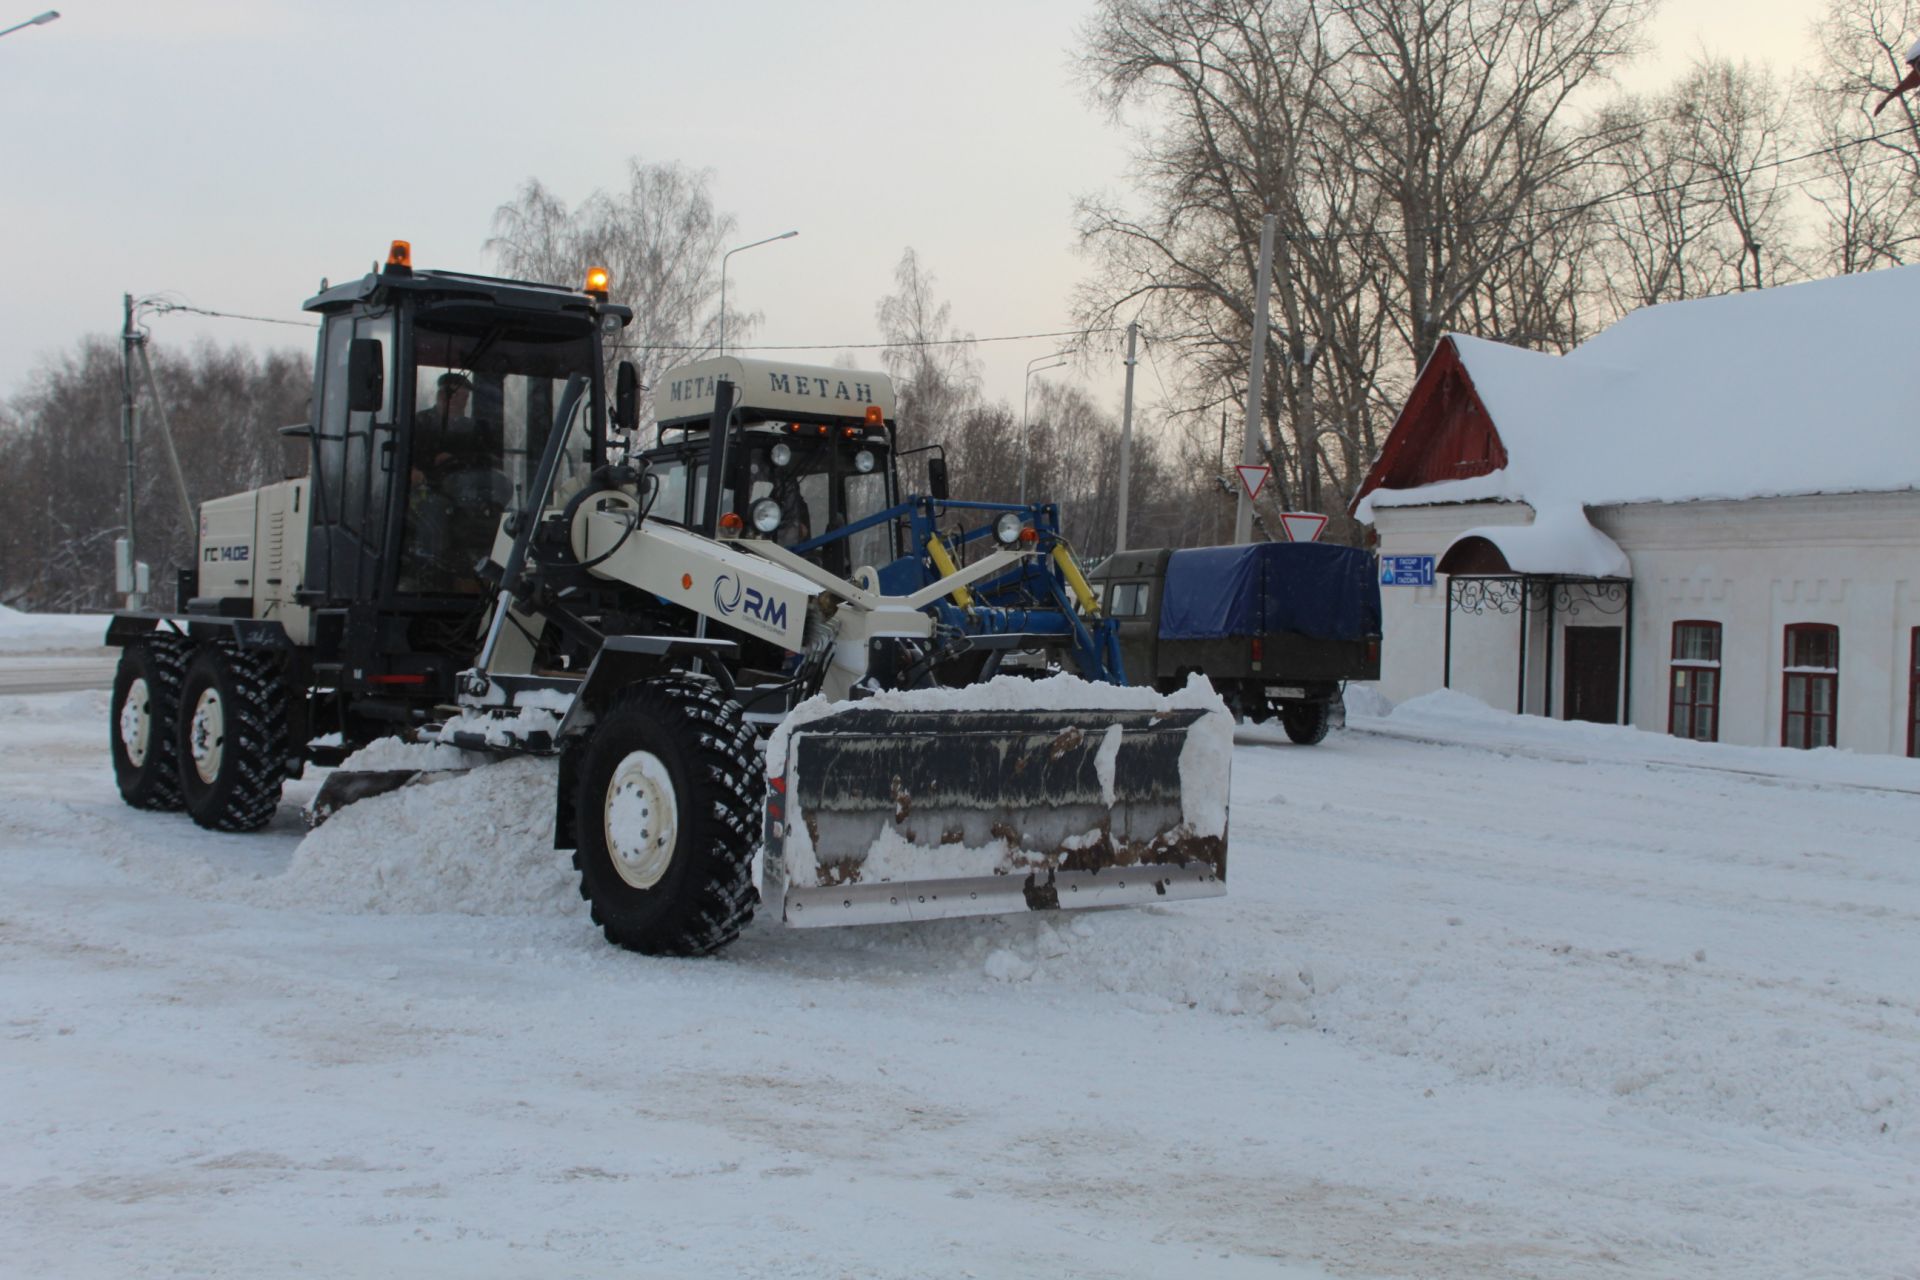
point(1806, 388)
point(1559, 542)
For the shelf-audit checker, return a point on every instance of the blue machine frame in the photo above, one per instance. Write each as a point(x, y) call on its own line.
point(1032, 599)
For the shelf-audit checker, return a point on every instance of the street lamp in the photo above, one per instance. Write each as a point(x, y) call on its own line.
point(39, 21)
point(784, 235)
point(1026, 399)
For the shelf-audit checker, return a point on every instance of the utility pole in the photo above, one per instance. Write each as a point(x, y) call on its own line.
point(166, 436)
point(1126, 440)
point(1309, 434)
point(126, 572)
point(1256, 377)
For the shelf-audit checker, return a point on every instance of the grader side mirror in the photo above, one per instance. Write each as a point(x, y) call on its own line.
point(366, 376)
point(937, 479)
point(626, 396)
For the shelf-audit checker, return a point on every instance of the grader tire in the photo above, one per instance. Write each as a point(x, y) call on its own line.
point(145, 707)
point(232, 736)
point(669, 793)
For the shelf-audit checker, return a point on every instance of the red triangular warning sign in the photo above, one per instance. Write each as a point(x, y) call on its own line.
point(1302, 526)
point(1253, 477)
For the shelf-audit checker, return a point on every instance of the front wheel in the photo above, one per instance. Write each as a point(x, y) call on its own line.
point(1306, 722)
point(232, 738)
point(669, 792)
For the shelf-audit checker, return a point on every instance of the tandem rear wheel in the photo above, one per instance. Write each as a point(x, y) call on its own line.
point(146, 704)
point(230, 735)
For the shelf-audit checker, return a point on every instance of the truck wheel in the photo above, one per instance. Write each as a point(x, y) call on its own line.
point(670, 787)
point(1306, 722)
point(232, 738)
point(146, 698)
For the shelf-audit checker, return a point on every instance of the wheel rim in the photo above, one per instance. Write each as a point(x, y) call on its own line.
point(207, 737)
point(136, 722)
point(641, 819)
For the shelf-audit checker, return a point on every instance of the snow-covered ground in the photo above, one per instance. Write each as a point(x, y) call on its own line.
point(51, 632)
point(1488, 998)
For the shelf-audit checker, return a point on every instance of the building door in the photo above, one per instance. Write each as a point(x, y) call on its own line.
point(1593, 674)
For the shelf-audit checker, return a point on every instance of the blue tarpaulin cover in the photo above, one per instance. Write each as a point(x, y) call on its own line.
point(1315, 589)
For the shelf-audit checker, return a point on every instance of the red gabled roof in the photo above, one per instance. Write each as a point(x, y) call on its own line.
point(1443, 433)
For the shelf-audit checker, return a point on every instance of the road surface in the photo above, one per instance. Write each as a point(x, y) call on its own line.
point(56, 675)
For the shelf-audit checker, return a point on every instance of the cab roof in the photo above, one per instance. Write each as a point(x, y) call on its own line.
point(771, 389)
point(452, 286)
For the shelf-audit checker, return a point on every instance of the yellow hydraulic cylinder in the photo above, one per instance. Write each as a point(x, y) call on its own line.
point(944, 563)
point(1082, 589)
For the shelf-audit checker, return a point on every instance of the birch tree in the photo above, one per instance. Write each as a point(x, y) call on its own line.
point(660, 238)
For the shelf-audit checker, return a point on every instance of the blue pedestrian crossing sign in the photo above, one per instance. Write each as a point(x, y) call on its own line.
point(1406, 571)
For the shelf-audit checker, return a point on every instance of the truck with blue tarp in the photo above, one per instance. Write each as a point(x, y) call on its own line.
point(1278, 627)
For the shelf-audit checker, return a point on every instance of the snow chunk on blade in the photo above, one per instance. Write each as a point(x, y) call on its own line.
point(1009, 796)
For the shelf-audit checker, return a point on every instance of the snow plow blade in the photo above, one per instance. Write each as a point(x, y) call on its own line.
point(882, 815)
point(350, 786)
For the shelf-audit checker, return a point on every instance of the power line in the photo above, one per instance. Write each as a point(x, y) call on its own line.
point(869, 346)
point(164, 307)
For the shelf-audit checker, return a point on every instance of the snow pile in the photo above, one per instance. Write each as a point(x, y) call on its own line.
point(47, 632)
point(1447, 715)
point(398, 753)
point(1363, 698)
point(476, 843)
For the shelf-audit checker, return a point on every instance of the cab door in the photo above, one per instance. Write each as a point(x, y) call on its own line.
point(354, 457)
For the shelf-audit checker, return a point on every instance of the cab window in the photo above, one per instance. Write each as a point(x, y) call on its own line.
point(1127, 599)
point(669, 498)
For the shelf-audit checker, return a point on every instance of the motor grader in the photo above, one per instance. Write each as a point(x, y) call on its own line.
point(476, 557)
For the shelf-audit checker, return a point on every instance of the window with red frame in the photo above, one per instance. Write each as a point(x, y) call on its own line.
point(1812, 678)
point(1913, 699)
point(1693, 697)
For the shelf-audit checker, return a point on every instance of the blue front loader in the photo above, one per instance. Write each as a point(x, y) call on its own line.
point(1033, 598)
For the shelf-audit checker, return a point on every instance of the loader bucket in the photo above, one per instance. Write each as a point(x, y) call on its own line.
point(877, 815)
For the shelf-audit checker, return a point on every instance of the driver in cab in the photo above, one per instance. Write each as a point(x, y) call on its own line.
point(458, 491)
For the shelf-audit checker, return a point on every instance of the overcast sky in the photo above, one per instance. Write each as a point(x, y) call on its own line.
point(233, 152)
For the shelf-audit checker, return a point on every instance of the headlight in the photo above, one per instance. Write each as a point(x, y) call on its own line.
point(1007, 528)
point(781, 454)
point(766, 514)
point(863, 461)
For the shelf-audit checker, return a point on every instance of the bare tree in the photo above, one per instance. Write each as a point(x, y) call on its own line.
point(61, 462)
point(661, 239)
point(935, 372)
point(1870, 202)
point(1425, 169)
point(931, 361)
point(1653, 207)
point(1731, 127)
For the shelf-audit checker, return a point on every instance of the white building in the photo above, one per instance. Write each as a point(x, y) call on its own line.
point(1704, 521)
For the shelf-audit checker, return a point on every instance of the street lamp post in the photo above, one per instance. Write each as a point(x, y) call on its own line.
point(38, 20)
point(784, 235)
point(1026, 401)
